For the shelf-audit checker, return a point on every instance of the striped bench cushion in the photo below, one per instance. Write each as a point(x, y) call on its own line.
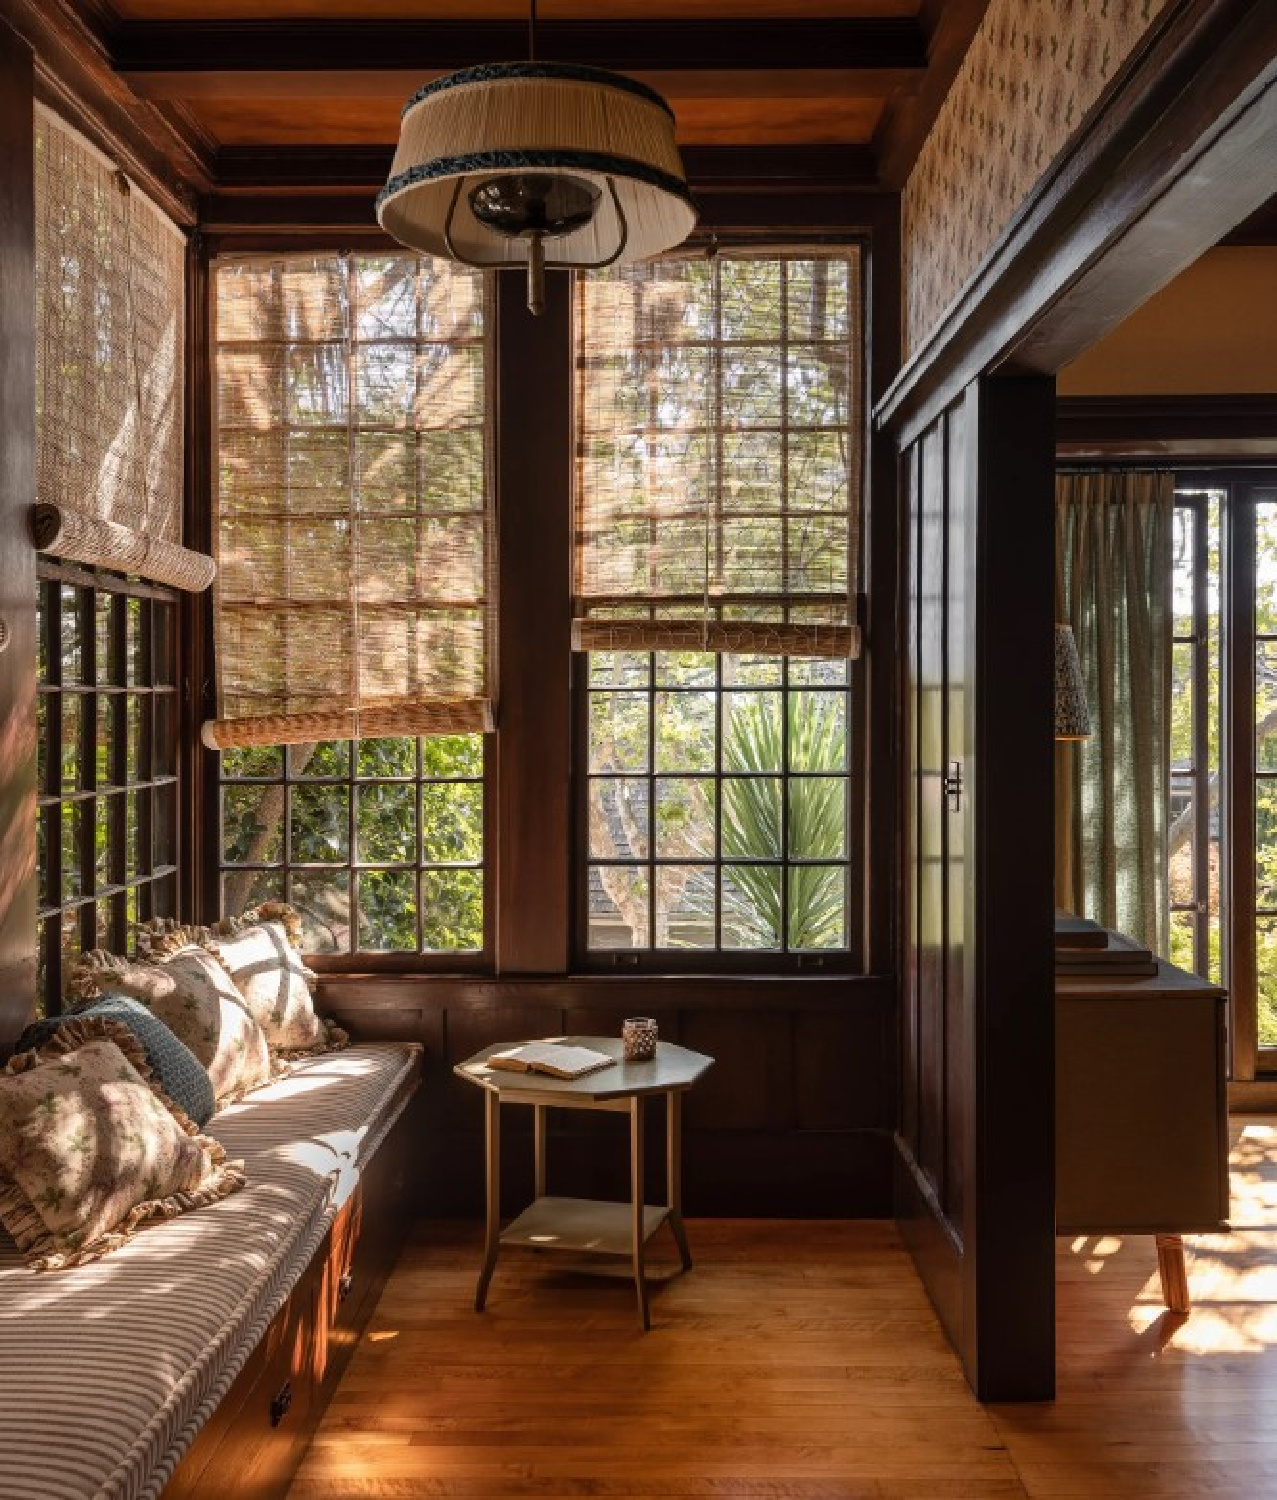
point(108, 1371)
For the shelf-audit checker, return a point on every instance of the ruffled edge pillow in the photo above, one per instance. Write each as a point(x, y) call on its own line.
point(260, 952)
point(47, 1249)
point(173, 987)
point(174, 1067)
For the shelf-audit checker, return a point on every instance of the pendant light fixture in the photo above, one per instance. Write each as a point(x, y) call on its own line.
point(543, 164)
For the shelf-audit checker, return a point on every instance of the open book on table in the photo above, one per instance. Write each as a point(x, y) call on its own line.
point(554, 1058)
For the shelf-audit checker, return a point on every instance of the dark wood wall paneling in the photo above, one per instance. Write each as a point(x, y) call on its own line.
point(17, 557)
point(792, 1120)
point(974, 1162)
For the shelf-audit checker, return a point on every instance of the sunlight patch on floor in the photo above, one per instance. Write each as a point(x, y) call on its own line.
point(1232, 1276)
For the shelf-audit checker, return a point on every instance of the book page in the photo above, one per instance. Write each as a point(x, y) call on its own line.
point(553, 1058)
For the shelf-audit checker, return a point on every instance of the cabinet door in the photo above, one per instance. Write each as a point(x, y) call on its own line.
point(1141, 1133)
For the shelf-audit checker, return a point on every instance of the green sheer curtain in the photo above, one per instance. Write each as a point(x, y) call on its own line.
point(1113, 581)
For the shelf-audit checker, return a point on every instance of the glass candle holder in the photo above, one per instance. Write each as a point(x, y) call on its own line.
point(639, 1036)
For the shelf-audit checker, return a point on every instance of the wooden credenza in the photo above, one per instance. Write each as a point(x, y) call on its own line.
point(1142, 1111)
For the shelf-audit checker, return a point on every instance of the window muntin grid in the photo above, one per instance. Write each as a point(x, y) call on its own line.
point(107, 737)
point(716, 814)
point(378, 843)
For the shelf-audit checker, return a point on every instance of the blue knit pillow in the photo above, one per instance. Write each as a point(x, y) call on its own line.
point(177, 1070)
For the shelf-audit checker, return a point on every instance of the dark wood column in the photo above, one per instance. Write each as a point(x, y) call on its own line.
point(17, 557)
point(534, 502)
point(1009, 1282)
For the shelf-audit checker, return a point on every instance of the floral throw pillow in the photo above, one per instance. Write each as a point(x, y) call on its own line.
point(90, 1150)
point(190, 991)
point(174, 1067)
point(259, 951)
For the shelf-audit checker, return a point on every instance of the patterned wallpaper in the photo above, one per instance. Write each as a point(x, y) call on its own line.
point(1034, 69)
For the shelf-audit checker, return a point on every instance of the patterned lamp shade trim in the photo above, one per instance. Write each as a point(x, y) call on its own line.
point(1072, 718)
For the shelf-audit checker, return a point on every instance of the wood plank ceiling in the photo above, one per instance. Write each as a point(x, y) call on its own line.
point(284, 92)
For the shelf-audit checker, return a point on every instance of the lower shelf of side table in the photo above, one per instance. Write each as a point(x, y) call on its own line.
point(581, 1225)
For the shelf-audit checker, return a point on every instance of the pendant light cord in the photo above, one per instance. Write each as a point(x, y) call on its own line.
point(532, 30)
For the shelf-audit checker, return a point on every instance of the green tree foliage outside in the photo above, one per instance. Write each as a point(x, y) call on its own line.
point(669, 736)
point(400, 818)
point(1185, 791)
point(817, 823)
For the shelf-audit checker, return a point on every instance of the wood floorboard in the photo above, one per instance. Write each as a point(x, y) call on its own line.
point(803, 1362)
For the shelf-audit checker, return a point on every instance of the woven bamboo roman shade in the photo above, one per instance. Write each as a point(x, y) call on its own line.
point(354, 526)
point(719, 420)
point(110, 321)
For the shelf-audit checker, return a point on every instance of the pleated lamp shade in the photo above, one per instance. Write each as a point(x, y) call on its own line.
point(1072, 718)
point(530, 120)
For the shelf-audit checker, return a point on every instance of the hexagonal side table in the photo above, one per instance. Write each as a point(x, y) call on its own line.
point(588, 1225)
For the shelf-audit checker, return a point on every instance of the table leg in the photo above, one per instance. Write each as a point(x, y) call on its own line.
point(492, 1238)
point(636, 1206)
point(674, 1173)
point(538, 1150)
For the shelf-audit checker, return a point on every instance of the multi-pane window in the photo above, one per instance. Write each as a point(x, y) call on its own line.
point(719, 439)
point(107, 736)
point(378, 843)
point(717, 803)
point(1195, 822)
point(354, 607)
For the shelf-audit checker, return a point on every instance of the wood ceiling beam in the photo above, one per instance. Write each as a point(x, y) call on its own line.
point(73, 76)
point(297, 169)
point(169, 58)
point(400, 83)
point(951, 26)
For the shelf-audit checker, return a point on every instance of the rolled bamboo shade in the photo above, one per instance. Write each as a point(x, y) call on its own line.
point(110, 323)
point(719, 452)
point(354, 525)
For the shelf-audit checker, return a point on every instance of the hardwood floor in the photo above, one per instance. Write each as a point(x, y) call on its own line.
point(802, 1361)
point(1153, 1405)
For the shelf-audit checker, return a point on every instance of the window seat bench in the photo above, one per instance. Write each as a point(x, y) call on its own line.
point(196, 1360)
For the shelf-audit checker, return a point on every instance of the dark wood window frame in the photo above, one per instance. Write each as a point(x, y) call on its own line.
point(101, 870)
point(1234, 805)
point(1242, 486)
point(532, 874)
point(279, 878)
point(1199, 643)
point(716, 957)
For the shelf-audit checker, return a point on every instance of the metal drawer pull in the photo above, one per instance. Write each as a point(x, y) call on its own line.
point(344, 1285)
point(282, 1404)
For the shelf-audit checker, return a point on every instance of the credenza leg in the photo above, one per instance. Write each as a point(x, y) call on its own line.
point(1173, 1271)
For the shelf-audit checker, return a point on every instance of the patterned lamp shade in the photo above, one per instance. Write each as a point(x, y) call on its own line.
point(537, 163)
point(1072, 720)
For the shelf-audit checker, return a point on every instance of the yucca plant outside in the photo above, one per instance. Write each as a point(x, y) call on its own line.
point(752, 821)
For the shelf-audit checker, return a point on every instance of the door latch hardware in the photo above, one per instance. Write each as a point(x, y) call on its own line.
point(952, 784)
